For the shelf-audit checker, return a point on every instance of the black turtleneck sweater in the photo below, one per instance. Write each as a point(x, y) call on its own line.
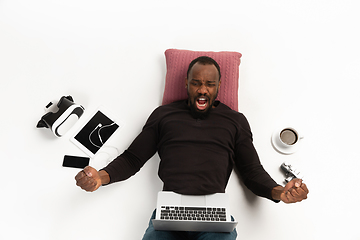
point(197, 155)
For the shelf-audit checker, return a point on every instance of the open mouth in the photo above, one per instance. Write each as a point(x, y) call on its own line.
point(201, 103)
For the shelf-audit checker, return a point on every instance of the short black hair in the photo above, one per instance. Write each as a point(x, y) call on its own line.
point(204, 60)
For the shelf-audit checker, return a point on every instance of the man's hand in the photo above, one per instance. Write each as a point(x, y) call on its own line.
point(89, 179)
point(294, 191)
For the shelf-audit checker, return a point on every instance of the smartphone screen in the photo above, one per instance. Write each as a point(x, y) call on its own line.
point(75, 161)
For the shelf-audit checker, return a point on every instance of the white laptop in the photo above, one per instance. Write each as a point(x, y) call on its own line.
point(205, 213)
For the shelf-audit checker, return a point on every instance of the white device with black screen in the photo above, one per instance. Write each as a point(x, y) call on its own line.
point(96, 132)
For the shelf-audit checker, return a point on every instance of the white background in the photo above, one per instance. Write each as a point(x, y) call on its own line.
point(300, 67)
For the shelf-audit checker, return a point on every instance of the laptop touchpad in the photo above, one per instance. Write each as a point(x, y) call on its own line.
point(188, 200)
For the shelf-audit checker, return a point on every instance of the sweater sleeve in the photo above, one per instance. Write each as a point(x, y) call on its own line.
point(139, 152)
point(248, 164)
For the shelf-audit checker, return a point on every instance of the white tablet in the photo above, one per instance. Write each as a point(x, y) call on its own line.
point(95, 132)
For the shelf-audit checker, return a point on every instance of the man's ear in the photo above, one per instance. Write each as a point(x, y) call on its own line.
point(186, 83)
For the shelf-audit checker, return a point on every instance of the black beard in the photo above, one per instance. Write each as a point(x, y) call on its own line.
point(195, 113)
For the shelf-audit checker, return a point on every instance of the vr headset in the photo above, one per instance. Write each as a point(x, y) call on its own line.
point(64, 118)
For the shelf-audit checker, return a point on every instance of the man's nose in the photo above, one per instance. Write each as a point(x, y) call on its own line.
point(202, 89)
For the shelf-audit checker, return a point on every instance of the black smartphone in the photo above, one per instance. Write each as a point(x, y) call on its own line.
point(75, 161)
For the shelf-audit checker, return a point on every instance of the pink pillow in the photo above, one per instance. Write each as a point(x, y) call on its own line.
point(177, 63)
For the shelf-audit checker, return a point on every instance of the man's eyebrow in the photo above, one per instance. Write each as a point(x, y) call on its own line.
point(193, 79)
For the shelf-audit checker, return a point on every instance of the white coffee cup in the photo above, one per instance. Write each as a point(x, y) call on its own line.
point(286, 140)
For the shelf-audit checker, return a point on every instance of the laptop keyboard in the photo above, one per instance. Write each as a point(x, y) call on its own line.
point(193, 213)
